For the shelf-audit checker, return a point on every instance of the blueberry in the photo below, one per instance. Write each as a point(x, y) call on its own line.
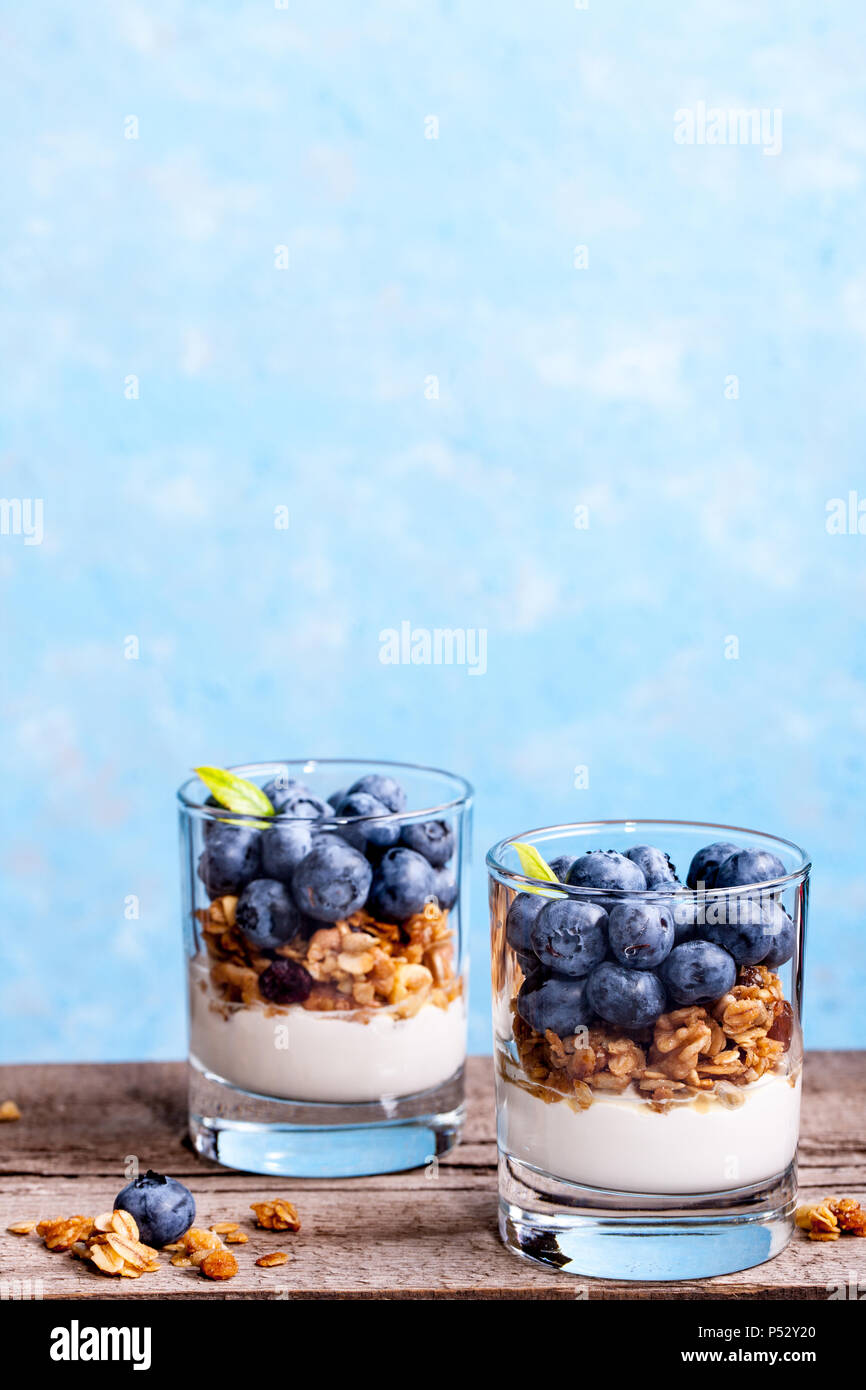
point(656, 865)
point(557, 1002)
point(336, 797)
point(284, 845)
point(520, 919)
point(301, 804)
point(444, 888)
point(285, 982)
point(742, 925)
point(333, 880)
point(626, 998)
point(569, 937)
point(280, 788)
point(782, 931)
point(561, 865)
point(230, 859)
point(162, 1208)
point(747, 866)
point(698, 971)
point(384, 789)
point(432, 838)
point(604, 868)
point(402, 883)
point(705, 865)
point(363, 804)
point(641, 935)
point(266, 914)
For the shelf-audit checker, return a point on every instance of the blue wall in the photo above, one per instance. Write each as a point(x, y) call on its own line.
point(606, 387)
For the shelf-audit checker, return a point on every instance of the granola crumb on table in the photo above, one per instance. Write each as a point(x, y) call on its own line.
point(9, 1111)
point(831, 1218)
point(219, 1264)
point(736, 1040)
point(276, 1215)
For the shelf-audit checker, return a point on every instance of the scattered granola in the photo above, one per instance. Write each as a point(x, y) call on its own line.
point(111, 1242)
point(276, 1257)
point(735, 1040)
point(833, 1217)
point(277, 1215)
point(9, 1111)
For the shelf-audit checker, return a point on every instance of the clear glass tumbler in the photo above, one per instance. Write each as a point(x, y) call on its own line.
point(648, 1046)
point(327, 971)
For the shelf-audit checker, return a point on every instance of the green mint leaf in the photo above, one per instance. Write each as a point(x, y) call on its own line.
point(235, 793)
point(533, 865)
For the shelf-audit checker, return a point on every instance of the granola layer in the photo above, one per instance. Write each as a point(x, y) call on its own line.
point(358, 964)
point(732, 1042)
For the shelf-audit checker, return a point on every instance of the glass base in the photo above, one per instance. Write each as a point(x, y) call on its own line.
point(258, 1134)
point(623, 1235)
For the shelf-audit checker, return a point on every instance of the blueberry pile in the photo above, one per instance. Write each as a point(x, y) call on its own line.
point(626, 960)
point(302, 871)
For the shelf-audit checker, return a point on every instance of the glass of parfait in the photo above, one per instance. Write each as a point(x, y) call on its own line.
point(325, 928)
point(647, 982)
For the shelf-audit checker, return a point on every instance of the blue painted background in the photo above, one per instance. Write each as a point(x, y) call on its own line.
point(309, 388)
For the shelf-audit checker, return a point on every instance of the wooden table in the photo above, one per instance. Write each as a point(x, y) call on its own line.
point(404, 1236)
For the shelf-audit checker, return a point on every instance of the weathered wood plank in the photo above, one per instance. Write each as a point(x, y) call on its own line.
point(364, 1245)
point(399, 1236)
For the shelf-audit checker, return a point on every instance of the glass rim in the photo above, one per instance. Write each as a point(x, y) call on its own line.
point(309, 765)
point(513, 878)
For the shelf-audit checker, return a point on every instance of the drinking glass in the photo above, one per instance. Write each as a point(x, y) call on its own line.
point(661, 1145)
point(326, 1042)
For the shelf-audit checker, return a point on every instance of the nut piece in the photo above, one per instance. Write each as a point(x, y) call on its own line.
point(276, 1257)
point(277, 1215)
point(9, 1111)
point(219, 1264)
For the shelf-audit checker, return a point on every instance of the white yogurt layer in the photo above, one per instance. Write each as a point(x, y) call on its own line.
point(620, 1142)
point(306, 1055)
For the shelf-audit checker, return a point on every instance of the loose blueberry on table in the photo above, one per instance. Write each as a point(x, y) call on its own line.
point(162, 1208)
point(647, 985)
